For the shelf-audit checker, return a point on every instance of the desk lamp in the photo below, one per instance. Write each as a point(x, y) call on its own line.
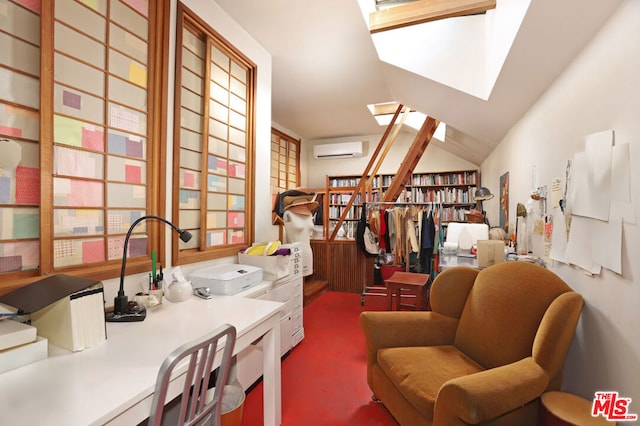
point(121, 311)
point(482, 194)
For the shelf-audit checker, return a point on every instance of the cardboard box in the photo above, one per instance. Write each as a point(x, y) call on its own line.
point(490, 252)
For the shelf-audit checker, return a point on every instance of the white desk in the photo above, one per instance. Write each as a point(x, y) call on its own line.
point(113, 383)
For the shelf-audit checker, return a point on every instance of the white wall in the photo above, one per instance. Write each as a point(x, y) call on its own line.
point(434, 159)
point(600, 90)
point(211, 13)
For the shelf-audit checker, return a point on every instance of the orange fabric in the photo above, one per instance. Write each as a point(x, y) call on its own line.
point(504, 310)
point(419, 372)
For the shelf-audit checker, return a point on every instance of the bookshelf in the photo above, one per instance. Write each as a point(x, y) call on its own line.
point(339, 192)
point(452, 191)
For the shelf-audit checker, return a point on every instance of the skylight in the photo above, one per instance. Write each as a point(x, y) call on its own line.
point(466, 53)
point(383, 113)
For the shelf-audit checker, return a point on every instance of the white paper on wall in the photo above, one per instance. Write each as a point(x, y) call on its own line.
point(621, 202)
point(607, 243)
point(579, 246)
point(559, 236)
point(592, 177)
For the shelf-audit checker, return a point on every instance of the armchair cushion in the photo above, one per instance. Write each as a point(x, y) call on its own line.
point(420, 372)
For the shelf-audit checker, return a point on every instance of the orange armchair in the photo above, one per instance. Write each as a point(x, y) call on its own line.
point(493, 343)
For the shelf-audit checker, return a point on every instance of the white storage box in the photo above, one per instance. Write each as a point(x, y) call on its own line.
point(273, 267)
point(226, 279)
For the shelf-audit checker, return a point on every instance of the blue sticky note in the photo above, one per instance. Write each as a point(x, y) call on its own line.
point(5, 189)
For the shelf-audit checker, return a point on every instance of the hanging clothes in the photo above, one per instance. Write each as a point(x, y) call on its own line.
point(427, 242)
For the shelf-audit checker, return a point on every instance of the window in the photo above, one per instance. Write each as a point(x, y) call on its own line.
point(285, 162)
point(213, 143)
point(82, 163)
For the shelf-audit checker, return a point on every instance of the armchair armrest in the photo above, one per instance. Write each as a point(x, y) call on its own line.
point(395, 329)
point(483, 396)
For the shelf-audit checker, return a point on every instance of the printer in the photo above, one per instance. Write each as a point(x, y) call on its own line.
point(226, 279)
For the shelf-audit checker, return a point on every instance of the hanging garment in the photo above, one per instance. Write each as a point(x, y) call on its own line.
point(365, 238)
point(428, 242)
point(383, 230)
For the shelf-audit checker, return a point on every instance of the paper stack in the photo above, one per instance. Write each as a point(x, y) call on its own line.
point(74, 322)
point(66, 310)
point(19, 345)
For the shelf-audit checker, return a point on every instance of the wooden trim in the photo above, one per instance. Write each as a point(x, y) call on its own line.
point(425, 11)
point(46, 138)
point(190, 21)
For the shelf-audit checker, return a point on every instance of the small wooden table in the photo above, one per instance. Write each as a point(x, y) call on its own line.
point(565, 409)
point(410, 282)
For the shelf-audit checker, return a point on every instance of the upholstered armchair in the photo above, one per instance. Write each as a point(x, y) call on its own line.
point(493, 343)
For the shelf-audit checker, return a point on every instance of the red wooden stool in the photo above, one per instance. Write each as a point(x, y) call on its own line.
point(411, 283)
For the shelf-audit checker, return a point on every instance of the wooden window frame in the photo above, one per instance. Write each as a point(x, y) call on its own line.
point(289, 140)
point(186, 19)
point(157, 79)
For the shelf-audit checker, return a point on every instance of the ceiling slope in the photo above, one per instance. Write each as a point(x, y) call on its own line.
point(326, 69)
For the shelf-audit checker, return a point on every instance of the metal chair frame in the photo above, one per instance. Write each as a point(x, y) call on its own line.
point(194, 409)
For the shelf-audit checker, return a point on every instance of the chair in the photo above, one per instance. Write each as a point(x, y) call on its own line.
point(493, 343)
point(195, 406)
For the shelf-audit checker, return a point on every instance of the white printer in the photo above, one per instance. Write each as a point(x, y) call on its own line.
point(226, 279)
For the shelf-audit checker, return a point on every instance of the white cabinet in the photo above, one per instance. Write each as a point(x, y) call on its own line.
point(297, 325)
point(287, 290)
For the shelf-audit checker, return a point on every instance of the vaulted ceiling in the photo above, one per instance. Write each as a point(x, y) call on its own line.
point(326, 68)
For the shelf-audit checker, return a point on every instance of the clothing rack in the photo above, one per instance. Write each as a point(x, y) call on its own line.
point(381, 290)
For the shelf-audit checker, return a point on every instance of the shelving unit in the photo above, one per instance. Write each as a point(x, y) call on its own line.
point(339, 192)
point(452, 191)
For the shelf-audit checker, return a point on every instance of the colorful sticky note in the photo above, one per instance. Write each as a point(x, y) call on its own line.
point(72, 100)
point(5, 189)
point(92, 251)
point(137, 74)
point(117, 144)
point(26, 226)
point(10, 131)
point(134, 148)
point(92, 138)
point(67, 130)
point(10, 263)
point(141, 6)
point(133, 173)
point(27, 185)
point(189, 180)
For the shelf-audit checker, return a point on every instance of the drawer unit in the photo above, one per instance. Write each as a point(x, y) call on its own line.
point(296, 292)
point(287, 290)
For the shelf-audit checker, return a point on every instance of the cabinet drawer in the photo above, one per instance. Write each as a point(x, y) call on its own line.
point(297, 337)
point(281, 292)
point(296, 320)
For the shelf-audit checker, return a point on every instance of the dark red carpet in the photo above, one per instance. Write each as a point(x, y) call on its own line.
point(324, 379)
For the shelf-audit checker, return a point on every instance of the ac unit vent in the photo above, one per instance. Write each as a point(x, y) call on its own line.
point(337, 150)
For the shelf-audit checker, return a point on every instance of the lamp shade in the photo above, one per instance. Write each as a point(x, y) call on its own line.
point(483, 194)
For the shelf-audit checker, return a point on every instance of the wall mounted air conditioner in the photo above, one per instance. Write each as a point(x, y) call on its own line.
point(337, 150)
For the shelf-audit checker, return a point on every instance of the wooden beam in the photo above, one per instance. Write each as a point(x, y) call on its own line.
point(411, 159)
point(361, 182)
point(425, 11)
point(388, 108)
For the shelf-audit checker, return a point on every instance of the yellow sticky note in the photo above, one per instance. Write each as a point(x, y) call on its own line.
point(137, 74)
